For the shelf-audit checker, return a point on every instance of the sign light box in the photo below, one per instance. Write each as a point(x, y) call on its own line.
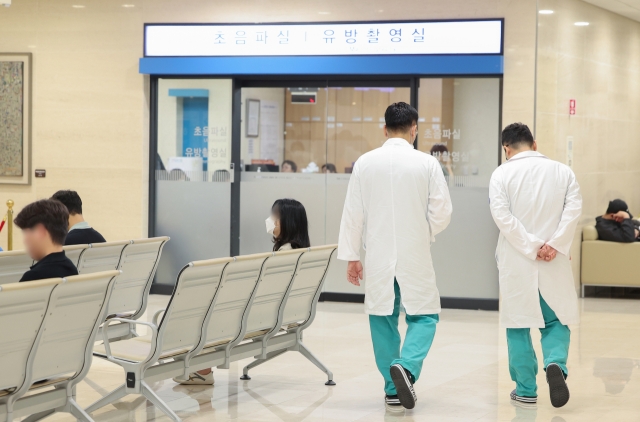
point(324, 39)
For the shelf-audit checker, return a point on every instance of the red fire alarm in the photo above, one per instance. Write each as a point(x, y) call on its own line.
point(572, 107)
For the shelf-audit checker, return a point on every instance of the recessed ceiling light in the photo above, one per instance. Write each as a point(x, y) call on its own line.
point(78, 6)
point(581, 24)
point(128, 5)
point(380, 11)
point(546, 12)
point(324, 13)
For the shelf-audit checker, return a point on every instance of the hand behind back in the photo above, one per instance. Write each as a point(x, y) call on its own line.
point(546, 253)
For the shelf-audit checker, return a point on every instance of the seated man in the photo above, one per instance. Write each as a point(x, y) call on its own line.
point(44, 227)
point(80, 232)
point(617, 225)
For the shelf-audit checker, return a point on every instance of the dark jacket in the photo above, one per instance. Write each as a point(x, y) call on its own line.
point(83, 236)
point(53, 265)
point(613, 231)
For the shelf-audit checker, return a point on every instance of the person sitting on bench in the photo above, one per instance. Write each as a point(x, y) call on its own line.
point(44, 228)
point(80, 232)
point(617, 224)
point(289, 227)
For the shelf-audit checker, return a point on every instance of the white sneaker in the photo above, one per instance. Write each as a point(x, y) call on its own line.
point(197, 379)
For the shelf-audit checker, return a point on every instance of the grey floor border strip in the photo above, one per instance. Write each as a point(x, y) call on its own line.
point(446, 302)
point(161, 289)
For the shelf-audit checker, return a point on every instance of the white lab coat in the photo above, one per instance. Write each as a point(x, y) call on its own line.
point(535, 200)
point(397, 201)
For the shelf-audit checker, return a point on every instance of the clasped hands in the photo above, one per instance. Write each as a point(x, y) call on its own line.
point(546, 253)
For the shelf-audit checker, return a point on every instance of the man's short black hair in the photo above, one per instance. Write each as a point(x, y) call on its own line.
point(70, 199)
point(51, 213)
point(516, 134)
point(617, 205)
point(399, 117)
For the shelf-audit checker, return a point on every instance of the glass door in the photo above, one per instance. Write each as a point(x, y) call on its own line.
point(301, 142)
point(192, 176)
point(459, 124)
point(283, 151)
point(355, 126)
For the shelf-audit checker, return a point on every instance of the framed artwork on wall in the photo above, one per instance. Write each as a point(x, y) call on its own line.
point(15, 118)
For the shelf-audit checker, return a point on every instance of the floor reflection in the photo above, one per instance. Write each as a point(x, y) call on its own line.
point(614, 372)
point(525, 412)
point(122, 411)
point(284, 414)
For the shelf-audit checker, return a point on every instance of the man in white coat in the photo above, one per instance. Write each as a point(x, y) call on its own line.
point(397, 201)
point(536, 204)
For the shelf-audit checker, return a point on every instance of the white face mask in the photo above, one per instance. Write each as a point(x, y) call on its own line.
point(271, 225)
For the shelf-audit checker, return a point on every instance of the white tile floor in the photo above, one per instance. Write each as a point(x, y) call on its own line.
point(465, 377)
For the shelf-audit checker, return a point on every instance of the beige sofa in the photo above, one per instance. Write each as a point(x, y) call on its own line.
point(608, 263)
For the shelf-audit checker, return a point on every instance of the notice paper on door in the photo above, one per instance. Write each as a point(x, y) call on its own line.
point(269, 133)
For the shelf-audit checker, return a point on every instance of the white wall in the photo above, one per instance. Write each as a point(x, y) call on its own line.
point(598, 66)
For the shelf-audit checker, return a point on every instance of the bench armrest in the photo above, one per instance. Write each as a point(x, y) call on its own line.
point(589, 233)
point(105, 337)
point(157, 315)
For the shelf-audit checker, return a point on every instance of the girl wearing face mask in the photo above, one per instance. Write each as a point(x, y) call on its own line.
point(288, 225)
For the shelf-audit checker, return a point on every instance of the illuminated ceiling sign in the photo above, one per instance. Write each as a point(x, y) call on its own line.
point(324, 39)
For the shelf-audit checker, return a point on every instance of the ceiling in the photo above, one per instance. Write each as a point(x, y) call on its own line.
point(626, 8)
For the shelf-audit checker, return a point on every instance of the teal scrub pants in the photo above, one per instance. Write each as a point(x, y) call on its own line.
point(386, 342)
point(523, 364)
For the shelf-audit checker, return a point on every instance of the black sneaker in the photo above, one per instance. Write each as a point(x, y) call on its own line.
point(558, 390)
point(404, 386)
point(393, 403)
point(523, 399)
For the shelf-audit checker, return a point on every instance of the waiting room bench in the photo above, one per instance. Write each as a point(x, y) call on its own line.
point(13, 264)
point(49, 352)
point(137, 259)
point(223, 310)
point(73, 252)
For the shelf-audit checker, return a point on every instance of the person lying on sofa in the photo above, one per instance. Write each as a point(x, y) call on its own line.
point(617, 224)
